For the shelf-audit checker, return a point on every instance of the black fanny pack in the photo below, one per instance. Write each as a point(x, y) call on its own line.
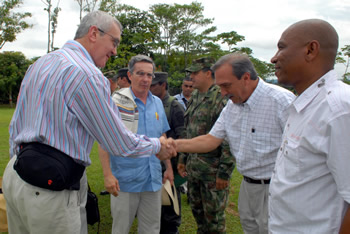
point(46, 167)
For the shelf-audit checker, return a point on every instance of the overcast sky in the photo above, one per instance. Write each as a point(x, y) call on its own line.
point(260, 21)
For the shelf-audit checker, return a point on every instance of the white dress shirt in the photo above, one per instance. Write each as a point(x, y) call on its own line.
point(254, 129)
point(310, 187)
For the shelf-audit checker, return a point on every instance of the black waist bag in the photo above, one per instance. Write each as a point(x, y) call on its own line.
point(46, 167)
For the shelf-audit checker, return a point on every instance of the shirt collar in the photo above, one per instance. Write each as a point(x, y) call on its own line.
point(74, 45)
point(182, 95)
point(254, 98)
point(149, 96)
point(311, 92)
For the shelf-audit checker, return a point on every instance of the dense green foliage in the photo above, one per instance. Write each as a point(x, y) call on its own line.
point(13, 66)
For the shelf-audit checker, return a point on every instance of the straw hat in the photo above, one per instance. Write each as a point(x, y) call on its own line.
point(169, 192)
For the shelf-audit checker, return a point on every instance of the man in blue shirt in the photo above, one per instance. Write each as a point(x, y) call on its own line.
point(187, 89)
point(139, 180)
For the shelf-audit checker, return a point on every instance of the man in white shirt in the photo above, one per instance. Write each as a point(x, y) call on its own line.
point(252, 122)
point(310, 186)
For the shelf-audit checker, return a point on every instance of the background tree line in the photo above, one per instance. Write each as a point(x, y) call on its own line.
point(171, 34)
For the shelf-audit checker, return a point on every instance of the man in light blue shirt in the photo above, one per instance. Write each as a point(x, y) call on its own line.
point(187, 89)
point(140, 181)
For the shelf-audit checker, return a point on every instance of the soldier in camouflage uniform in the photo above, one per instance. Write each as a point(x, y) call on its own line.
point(174, 111)
point(208, 173)
point(112, 78)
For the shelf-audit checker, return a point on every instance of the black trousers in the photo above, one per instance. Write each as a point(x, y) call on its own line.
point(170, 221)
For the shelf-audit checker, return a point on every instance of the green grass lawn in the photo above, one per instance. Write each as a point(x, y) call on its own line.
point(95, 179)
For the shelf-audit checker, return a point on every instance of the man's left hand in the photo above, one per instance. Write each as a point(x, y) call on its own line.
point(221, 184)
point(168, 174)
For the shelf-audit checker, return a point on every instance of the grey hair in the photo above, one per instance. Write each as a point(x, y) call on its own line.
point(100, 19)
point(240, 64)
point(139, 58)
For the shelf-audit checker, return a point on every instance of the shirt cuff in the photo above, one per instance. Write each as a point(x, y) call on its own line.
point(156, 145)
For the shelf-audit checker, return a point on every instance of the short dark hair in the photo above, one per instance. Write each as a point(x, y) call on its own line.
point(187, 78)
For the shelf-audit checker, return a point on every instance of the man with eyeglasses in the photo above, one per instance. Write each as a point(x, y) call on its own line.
point(137, 182)
point(63, 107)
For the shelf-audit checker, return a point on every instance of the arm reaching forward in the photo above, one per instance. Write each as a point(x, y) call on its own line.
point(200, 144)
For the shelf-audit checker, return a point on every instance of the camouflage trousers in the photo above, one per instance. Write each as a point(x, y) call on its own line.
point(208, 205)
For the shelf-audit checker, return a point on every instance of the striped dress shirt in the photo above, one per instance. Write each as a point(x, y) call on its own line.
point(65, 102)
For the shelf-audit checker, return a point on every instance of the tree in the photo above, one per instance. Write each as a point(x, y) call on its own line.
point(345, 52)
point(91, 5)
point(48, 9)
point(13, 67)
point(191, 18)
point(139, 31)
point(11, 23)
point(230, 38)
point(52, 21)
point(109, 6)
point(165, 16)
point(179, 25)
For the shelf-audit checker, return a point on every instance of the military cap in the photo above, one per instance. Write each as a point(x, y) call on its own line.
point(160, 77)
point(109, 74)
point(123, 72)
point(199, 64)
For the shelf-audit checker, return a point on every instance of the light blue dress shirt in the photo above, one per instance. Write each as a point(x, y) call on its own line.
point(143, 174)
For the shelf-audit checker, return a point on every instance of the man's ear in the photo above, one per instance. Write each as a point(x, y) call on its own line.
point(129, 75)
point(312, 50)
point(93, 33)
point(246, 76)
point(208, 73)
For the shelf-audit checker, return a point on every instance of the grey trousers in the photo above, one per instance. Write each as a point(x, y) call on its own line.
point(253, 207)
point(147, 207)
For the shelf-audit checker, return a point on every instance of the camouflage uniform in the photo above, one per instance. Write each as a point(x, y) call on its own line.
point(208, 204)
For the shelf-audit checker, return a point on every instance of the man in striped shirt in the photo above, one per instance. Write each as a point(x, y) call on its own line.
point(64, 105)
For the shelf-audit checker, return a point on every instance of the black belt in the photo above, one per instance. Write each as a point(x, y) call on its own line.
point(252, 181)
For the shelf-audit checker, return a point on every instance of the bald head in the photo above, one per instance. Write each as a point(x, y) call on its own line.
point(320, 31)
point(306, 51)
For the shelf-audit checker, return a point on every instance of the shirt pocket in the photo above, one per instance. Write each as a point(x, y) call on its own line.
point(291, 160)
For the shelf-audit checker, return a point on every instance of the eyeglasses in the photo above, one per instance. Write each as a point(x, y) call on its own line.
point(142, 74)
point(115, 40)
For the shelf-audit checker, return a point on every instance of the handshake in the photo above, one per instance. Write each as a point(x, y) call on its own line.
point(168, 148)
point(199, 144)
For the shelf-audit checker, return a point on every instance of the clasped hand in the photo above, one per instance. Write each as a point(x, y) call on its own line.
point(168, 148)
